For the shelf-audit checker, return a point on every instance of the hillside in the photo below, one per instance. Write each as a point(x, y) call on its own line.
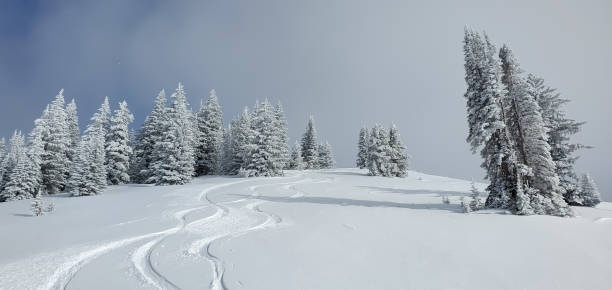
point(329, 229)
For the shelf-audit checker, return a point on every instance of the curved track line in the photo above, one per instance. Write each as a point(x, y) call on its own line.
point(204, 246)
point(141, 257)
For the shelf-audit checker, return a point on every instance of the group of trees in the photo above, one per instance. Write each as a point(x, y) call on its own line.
point(55, 157)
point(309, 154)
point(382, 152)
point(522, 132)
point(172, 146)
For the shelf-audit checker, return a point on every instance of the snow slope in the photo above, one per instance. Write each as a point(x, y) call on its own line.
point(333, 229)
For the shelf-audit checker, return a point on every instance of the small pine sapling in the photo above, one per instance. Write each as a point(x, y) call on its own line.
point(37, 207)
point(475, 203)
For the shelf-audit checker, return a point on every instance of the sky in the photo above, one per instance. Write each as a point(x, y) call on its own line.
point(348, 63)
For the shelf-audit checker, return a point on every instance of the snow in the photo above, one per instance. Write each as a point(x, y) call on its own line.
point(326, 229)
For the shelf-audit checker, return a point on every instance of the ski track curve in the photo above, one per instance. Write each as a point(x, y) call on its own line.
point(203, 246)
point(141, 257)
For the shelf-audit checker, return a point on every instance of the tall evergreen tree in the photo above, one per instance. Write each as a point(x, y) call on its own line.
point(227, 152)
point(589, 193)
point(210, 136)
point(264, 150)
point(242, 142)
point(283, 136)
point(72, 126)
point(90, 176)
point(296, 162)
point(118, 150)
point(379, 149)
point(149, 134)
point(560, 129)
point(10, 165)
point(527, 126)
point(309, 146)
point(362, 148)
point(487, 119)
point(397, 155)
point(173, 154)
point(326, 157)
point(56, 141)
point(25, 177)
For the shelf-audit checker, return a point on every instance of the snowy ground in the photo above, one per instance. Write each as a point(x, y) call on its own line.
point(336, 229)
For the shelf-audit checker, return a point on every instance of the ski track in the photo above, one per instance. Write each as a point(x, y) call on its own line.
point(141, 257)
point(203, 246)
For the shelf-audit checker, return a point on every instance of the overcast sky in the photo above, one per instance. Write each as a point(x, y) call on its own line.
point(348, 63)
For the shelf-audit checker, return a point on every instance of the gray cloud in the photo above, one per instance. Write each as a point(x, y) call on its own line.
point(350, 63)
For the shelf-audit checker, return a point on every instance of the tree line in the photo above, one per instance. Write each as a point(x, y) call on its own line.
point(172, 146)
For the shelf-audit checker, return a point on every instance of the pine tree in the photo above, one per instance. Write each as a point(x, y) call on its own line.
point(487, 119)
point(296, 162)
point(475, 202)
point(362, 148)
point(589, 192)
point(14, 169)
point(173, 155)
point(56, 141)
point(379, 149)
point(397, 155)
point(227, 152)
point(264, 150)
point(118, 150)
point(309, 146)
point(149, 135)
point(91, 175)
point(326, 157)
point(210, 136)
point(282, 138)
point(74, 134)
point(72, 123)
point(242, 142)
point(527, 126)
point(560, 129)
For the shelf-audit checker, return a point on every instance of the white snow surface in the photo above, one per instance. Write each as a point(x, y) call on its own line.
point(326, 229)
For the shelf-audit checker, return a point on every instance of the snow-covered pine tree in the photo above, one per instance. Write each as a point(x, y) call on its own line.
point(283, 136)
point(296, 161)
point(24, 180)
point(560, 130)
point(72, 123)
point(56, 141)
point(362, 148)
point(2, 156)
point(242, 142)
point(149, 134)
point(2, 149)
point(227, 152)
point(486, 119)
point(91, 165)
point(527, 126)
point(475, 202)
point(173, 154)
point(378, 158)
point(210, 136)
point(309, 146)
point(264, 148)
point(118, 150)
point(14, 169)
point(326, 157)
point(398, 156)
point(588, 191)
